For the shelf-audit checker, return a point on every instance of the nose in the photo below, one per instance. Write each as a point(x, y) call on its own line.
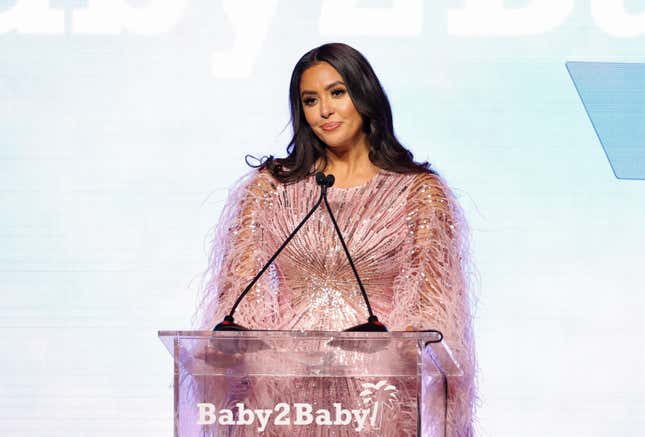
point(326, 108)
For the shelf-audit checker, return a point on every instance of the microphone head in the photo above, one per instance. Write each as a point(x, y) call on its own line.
point(320, 178)
point(330, 180)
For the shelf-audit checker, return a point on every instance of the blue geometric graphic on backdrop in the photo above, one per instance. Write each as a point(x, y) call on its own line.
point(613, 95)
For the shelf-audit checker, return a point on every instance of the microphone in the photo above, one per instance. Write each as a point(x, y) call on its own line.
point(373, 324)
point(228, 324)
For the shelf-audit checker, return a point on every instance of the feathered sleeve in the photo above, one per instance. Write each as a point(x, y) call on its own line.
point(237, 253)
point(432, 289)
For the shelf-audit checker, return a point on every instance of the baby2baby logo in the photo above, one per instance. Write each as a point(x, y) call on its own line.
point(375, 398)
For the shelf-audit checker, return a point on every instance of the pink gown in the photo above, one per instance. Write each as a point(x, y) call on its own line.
point(406, 234)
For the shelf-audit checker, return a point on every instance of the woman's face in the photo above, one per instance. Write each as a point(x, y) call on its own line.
point(328, 108)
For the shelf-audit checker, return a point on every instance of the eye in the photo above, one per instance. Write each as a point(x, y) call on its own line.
point(338, 92)
point(308, 101)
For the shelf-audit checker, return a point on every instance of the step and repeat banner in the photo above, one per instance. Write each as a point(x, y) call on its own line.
point(123, 123)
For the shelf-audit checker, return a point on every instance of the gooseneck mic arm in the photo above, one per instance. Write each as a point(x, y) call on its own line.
point(228, 324)
point(373, 324)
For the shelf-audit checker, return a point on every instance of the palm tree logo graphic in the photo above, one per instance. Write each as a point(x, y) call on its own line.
point(377, 396)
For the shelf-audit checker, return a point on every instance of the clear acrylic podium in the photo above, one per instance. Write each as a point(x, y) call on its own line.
point(309, 383)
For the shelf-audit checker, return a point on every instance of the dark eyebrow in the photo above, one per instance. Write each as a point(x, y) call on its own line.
point(331, 85)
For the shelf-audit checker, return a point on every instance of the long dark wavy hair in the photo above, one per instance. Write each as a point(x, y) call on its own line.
point(368, 96)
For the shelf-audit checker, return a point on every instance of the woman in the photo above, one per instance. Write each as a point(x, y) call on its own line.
point(401, 223)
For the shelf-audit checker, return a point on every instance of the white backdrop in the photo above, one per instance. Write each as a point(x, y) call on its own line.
point(122, 123)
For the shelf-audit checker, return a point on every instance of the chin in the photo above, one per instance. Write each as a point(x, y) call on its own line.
point(333, 140)
point(333, 145)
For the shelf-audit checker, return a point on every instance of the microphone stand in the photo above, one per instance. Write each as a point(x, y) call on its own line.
point(373, 324)
point(228, 324)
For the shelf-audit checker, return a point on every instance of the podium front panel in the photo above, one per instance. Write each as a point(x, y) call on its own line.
point(309, 383)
